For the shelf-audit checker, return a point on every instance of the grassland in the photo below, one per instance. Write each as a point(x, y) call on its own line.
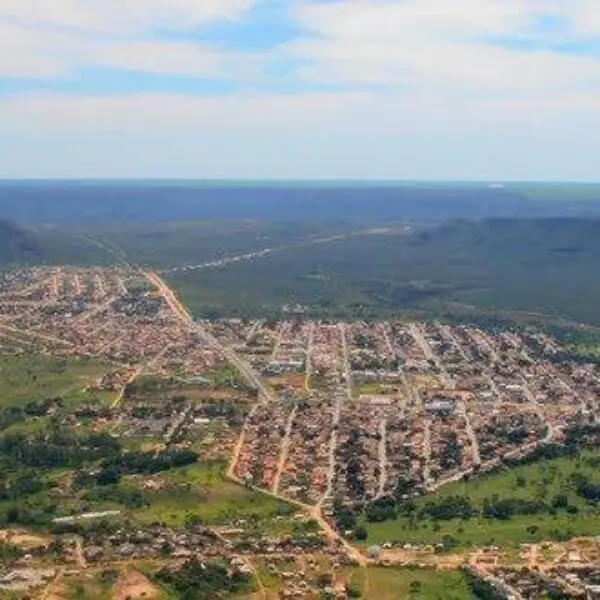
point(203, 491)
point(224, 376)
point(379, 583)
point(28, 378)
point(418, 584)
point(537, 482)
point(199, 492)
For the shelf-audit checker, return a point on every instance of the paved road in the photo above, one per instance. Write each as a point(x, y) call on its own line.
point(178, 308)
point(258, 254)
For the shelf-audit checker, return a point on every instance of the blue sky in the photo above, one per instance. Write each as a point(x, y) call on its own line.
point(300, 89)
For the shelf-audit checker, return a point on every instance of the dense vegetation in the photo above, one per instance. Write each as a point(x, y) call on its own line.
point(31, 461)
point(482, 589)
point(28, 461)
point(486, 270)
point(17, 244)
point(203, 581)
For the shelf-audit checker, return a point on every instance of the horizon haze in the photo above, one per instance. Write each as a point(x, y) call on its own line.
point(492, 90)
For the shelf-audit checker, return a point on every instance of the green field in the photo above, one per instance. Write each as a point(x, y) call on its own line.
point(198, 492)
point(541, 481)
point(376, 583)
point(414, 584)
point(29, 378)
point(203, 491)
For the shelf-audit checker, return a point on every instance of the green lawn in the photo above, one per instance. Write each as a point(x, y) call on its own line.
point(539, 481)
point(32, 377)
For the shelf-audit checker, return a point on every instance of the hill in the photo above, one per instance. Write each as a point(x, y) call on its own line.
point(18, 244)
point(46, 245)
point(139, 201)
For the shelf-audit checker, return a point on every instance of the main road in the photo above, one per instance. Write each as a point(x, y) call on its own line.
point(177, 307)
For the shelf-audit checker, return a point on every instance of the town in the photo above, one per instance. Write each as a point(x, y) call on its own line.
point(320, 415)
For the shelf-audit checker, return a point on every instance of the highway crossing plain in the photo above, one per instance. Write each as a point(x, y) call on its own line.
point(327, 418)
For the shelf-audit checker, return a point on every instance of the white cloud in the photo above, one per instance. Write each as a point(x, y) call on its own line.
point(367, 114)
point(26, 53)
point(439, 43)
point(56, 55)
point(176, 114)
point(343, 135)
point(426, 93)
point(174, 58)
point(122, 16)
point(584, 16)
point(52, 39)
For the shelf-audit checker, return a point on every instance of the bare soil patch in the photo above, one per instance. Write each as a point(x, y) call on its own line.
point(22, 539)
point(135, 586)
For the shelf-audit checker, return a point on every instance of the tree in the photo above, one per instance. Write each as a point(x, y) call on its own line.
point(382, 509)
point(108, 476)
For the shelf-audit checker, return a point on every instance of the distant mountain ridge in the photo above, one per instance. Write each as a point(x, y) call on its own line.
point(54, 202)
point(508, 236)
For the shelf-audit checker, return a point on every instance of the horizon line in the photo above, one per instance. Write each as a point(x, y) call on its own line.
point(291, 181)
